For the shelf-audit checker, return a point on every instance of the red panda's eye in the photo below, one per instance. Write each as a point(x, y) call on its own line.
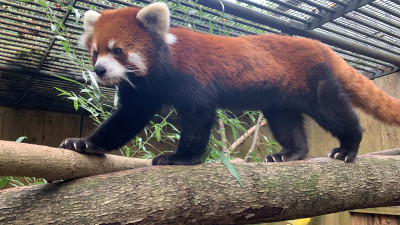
point(117, 51)
point(95, 54)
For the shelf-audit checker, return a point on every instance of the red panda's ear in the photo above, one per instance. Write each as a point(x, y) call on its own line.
point(155, 17)
point(90, 17)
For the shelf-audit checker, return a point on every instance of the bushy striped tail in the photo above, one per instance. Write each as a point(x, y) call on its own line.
point(362, 91)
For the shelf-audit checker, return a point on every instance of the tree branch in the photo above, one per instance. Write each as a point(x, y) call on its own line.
point(254, 144)
point(20, 159)
point(243, 138)
point(202, 194)
point(223, 136)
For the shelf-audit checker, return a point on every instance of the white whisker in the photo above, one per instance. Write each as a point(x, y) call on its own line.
point(124, 78)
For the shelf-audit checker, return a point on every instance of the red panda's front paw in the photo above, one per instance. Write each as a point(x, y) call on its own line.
point(173, 159)
point(81, 145)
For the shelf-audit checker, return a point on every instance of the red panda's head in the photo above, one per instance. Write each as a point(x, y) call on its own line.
point(120, 40)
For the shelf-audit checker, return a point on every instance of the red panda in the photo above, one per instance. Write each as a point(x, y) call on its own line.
point(284, 77)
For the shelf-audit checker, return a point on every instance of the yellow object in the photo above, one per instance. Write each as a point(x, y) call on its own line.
point(304, 221)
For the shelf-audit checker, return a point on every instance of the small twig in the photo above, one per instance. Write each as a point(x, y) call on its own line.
point(223, 136)
point(255, 139)
point(249, 132)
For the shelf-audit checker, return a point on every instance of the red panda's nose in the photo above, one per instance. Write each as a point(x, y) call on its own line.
point(100, 70)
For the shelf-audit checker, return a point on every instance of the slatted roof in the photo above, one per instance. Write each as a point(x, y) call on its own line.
point(365, 32)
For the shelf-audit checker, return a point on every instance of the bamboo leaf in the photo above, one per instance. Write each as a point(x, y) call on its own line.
point(3, 181)
point(96, 88)
point(76, 106)
point(225, 160)
point(20, 139)
point(64, 78)
point(60, 37)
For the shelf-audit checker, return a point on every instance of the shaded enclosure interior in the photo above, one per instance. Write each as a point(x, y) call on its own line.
point(366, 33)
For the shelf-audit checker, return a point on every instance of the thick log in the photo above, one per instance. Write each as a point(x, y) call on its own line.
point(208, 194)
point(19, 159)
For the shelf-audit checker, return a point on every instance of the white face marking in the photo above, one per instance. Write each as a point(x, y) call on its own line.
point(170, 39)
point(138, 60)
point(111, 44)
point(115, 72)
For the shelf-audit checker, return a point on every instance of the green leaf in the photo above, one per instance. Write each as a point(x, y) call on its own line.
point(205, 156)
point(76, 105)
point(127, 151)
point(227, 16)
point(60, 37)
point(85, 90)
point(62, 91)
point(210, 27)
point(44, 5)
point(3, 181)
point(225, 160)
point(66, 46)
point(77, 15)
point(158, 134)
point(234, 132)
point(64, 78)
point(84, 76)
point(96, 88)
point(20, 139)
point(53, 27)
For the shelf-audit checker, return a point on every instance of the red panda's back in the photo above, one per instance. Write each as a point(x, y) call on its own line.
point(242, 62)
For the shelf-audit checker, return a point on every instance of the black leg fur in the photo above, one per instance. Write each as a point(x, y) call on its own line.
point(196, 128)
point(127, 121)
point(288, 129)
point(336, 115)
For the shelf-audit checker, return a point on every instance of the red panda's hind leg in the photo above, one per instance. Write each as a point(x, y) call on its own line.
point(336, 116)
point(288, 129)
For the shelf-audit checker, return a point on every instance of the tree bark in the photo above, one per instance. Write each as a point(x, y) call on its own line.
point(208, 194)
point(20, 159)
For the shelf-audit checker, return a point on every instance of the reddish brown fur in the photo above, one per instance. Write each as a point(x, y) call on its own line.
point(362, 91)
point(124, 29)
point(246, 60)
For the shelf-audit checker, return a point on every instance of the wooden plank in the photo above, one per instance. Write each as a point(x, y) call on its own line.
point(317, 138)
point(389, 133)
point(34, 125)
point(374, 219)
point(341, 218)
point(88, 126)
point(372, 140)
point(320, 141)
point(2, 109)
point(53, 126)
point(13, 125)
point(395, 210)
point(71, 126)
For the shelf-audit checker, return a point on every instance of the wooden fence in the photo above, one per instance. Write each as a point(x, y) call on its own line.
point(42, 127)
